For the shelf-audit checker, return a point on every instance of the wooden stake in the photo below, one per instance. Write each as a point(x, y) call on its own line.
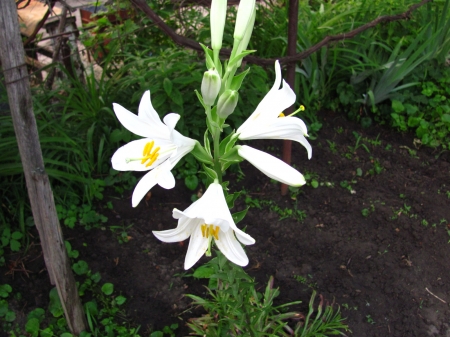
point(290, 75)
point(12, 57)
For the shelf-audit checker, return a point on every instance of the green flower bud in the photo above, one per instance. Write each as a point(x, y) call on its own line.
point(227, 102)
point(210, 86)
point(243, 17)
point(217, 18)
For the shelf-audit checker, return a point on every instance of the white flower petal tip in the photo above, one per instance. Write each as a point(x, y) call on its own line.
point(271, 166)
point(265, 122)
point(162, 145)
point(208, 219)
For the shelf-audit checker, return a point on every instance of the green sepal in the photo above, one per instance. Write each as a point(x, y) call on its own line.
point(207, 142)
point(210, 173)
point(235, 59)
point(238, 216)
point(209, 57)
point(201, 154)
point(236, 82)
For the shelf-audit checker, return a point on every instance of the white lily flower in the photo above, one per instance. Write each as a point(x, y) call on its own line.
point(265, 122)
point(159, 151)
point(206, 219)
point(272, 166)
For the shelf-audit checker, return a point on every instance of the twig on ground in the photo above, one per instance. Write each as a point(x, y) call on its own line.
point(440, 299)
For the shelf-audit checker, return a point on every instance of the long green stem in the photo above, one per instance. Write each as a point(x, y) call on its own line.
point(217, 166)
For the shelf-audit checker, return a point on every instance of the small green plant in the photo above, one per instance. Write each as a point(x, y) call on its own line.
point(166, 331)
point(333, 146)
point(370, 319)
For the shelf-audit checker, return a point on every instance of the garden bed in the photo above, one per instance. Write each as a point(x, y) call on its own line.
point(375, 239)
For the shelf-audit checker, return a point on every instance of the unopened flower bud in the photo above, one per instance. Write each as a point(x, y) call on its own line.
point(210, 86)
point(243, 17)
point(217, 19)
point(227, 103)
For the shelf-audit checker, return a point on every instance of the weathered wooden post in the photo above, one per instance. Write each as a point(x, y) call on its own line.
point(12, 57)
point(290, 75)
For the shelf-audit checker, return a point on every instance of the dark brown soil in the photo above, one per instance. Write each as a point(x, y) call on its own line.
point(389, 270)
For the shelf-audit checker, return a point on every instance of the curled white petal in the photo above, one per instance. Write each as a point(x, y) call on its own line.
point(272, 166)
point(161, 175)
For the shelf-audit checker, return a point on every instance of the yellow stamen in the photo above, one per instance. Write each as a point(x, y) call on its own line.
point(210, 230)
point(203, 227)
point(301, 108)
point(149, 155)
point(148, 147)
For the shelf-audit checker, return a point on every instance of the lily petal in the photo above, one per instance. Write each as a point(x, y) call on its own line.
point(231, 248)
point(197, 248)
point(243, 237)
point(149, 115)
point(180, 233)
point(130, 121)
point(283, 128)
point(171, 120)
point(158, 175)
point(272, 166)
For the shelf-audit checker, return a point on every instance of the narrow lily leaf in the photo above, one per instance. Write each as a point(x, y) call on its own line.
point(206, 142)
point(209, 56)
point(224, 142)
point(201, 154)
point(210, 173)
point(231, 198)
point(236, 82)
point(200, 98)
point(239, 57)
point(238, 216)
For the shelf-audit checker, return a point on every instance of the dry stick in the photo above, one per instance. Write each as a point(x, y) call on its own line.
point(183, 41)
point(61, 28)
point(12, 57)
point(440, 299)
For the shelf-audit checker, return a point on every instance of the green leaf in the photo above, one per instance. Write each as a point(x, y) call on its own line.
point(210, 172)
point(10, 316)
point(80, 268)
point(167, 84)
point(236, 82)
point(120, 300)
point(66, 334)
point(17, 235)
point(445, 118)
point(157, 334)
point(5, 289)
point(38, 313)
point(397, 106)
point(14, 245)
point(203, 272)
point(32, 327)
point(237, 217)
point(55, 306)
point(108, 288)
point(191, 182)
